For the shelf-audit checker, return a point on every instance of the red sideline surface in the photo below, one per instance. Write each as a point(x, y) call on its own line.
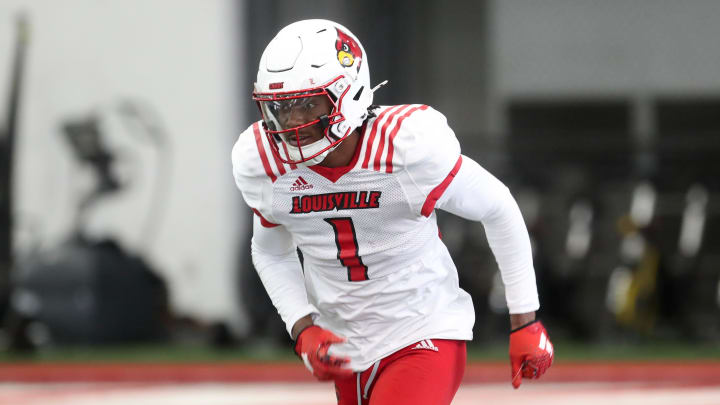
point(693, 373)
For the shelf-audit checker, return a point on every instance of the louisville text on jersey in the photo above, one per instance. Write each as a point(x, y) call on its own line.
point(348, 200)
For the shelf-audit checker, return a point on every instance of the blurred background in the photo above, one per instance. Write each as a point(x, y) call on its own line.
point(120, 222)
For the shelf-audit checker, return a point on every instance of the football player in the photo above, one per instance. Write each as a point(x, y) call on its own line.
point(375, 305)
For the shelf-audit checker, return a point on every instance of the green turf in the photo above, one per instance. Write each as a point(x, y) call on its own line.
point(565, 351)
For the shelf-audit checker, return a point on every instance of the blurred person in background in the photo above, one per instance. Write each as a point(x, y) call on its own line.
point(372, 300)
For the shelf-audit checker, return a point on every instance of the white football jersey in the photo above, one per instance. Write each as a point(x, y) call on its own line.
point(374, 264)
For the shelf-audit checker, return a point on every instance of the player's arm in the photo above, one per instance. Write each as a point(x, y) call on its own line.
point(477, 195)
point(299, 326)
point(278, 266)
point(518, 320)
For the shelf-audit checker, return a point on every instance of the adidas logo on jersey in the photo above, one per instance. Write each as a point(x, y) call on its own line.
point(300, 184)
point(426, 344)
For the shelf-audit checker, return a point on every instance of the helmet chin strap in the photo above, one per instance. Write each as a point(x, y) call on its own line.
point(309, 150)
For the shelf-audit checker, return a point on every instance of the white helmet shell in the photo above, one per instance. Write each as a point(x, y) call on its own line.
point(312, 54)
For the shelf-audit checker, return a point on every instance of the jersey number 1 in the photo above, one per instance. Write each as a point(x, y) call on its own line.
point(348, 248)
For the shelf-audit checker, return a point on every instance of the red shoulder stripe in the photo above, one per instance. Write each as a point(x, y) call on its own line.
point(263, 221)
point(371, 138)
point(383, 132)
point(438, 191)
point(293, 166)
point(278, 162)
point(391, 148)
point(261, 151)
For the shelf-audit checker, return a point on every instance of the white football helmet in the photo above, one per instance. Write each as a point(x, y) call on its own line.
point(306, 59)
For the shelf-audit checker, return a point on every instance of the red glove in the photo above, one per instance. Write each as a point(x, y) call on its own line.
point(312, 346)
point(531, 352)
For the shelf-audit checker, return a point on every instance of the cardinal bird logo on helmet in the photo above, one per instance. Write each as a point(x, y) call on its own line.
point(347, 50)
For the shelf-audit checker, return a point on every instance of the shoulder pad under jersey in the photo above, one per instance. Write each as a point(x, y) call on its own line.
point(255, 169)
point(419, 146)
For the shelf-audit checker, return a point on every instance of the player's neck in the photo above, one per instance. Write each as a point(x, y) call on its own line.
point(343, 154)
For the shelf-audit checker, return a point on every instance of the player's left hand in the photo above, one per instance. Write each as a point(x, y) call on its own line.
point(531, 352)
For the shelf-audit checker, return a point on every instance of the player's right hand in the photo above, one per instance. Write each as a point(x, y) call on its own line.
point(312, 346)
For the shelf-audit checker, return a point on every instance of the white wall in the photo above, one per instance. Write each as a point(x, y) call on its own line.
point(181, 58)
point(605, 46)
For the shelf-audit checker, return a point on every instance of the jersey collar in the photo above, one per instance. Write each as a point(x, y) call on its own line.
point(334, 173)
